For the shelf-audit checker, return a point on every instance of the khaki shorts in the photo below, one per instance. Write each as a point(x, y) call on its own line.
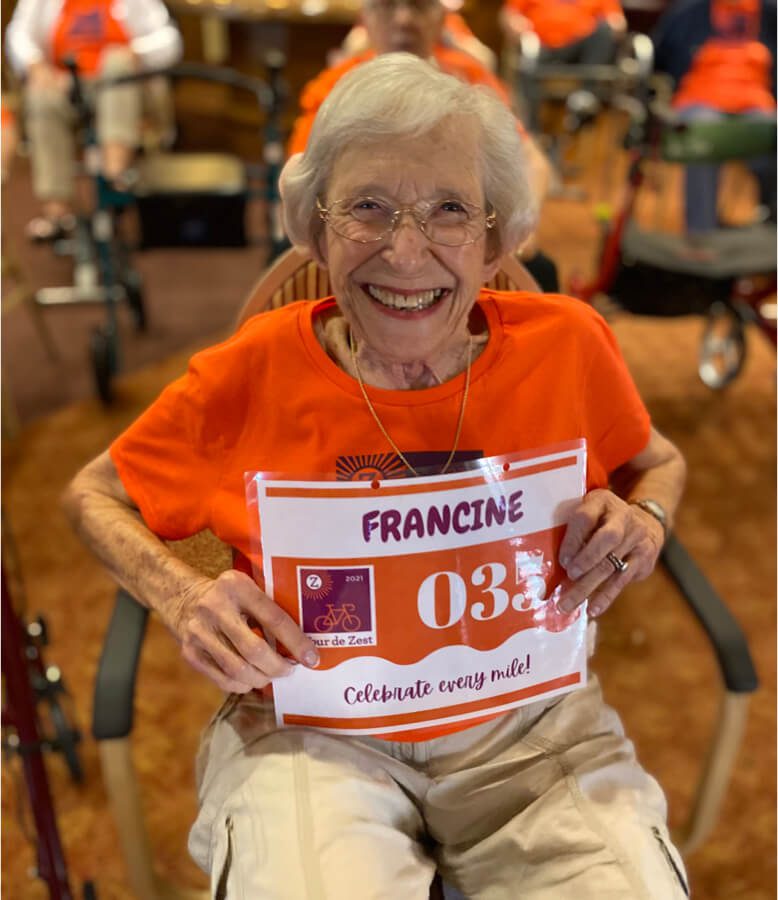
point(544, 803)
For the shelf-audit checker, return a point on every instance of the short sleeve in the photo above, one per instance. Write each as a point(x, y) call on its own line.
point(171, 458)
point(616, 419)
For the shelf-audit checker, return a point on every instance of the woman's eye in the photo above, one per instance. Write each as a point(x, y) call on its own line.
point(450, 210)
point(366, 205)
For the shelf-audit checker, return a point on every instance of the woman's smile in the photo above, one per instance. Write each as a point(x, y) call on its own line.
point(405, 301)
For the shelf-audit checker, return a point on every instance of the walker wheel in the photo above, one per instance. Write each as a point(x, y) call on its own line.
point(723, 347)
point(101, 354)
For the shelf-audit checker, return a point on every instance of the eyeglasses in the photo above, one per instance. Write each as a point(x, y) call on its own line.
point(388, 7)
point(366, 220)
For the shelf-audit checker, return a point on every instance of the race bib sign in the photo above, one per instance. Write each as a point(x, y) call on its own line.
point(432, 600)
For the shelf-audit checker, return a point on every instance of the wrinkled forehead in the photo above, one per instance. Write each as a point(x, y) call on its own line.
point(444, 162)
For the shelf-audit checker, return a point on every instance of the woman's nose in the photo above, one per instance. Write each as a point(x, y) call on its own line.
point(408, 246)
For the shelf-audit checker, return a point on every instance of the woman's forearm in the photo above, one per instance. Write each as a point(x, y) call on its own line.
point(106, 519)
point(657, 473)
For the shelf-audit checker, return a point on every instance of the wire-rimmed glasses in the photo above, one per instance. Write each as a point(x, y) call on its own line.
point(450, 222)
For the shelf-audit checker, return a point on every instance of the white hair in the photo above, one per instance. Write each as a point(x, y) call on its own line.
point(398, 95)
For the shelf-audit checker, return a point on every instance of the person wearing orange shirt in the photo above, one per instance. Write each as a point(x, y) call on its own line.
point(721, 54)
point(106, 38)
point(415, 26)
point(410, 190)
point(455, 33)
point(569, 31)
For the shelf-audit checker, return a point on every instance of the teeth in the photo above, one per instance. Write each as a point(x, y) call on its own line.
point(422, 300)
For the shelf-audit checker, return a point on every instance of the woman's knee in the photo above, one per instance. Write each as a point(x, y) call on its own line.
point(46, 100)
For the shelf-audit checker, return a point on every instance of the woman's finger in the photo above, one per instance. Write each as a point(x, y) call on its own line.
point(203, 662)
point(278, 623)
point(256, 651)
point(204, 638)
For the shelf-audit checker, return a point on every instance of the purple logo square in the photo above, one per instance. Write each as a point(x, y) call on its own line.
point(335, 600)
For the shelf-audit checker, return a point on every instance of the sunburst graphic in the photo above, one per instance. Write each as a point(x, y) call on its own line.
point(369, 466)
point(316, 583)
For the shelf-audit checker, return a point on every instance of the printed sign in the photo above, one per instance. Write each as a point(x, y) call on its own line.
point(432, 600)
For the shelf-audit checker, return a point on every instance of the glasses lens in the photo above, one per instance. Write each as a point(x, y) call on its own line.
point(454, 223)
point(362, 219)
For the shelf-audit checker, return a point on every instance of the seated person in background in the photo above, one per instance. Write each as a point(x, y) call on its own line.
point(412, 187)
point(104, 38)
point(414, 26)
point(455, 33)
point(569, 31)
point(721, 55)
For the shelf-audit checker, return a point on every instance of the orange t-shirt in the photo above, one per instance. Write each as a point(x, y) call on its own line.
point(83, 30)
point(728, 75)
point(271, 399)
point(452, 61)
point(455, 24)
point(561, 22)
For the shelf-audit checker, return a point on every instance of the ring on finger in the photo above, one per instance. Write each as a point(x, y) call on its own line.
point(620, 565)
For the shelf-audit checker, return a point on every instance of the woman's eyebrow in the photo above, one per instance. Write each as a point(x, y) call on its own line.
point(379, 192)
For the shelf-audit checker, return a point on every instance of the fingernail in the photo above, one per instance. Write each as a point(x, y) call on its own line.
point(594, 609)
point(567, 606)
point(311, 659)
point(564, 561)
point(574, 572)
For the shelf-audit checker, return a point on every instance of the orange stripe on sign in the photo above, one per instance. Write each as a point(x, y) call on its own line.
point(424, 715)
point(345, 494)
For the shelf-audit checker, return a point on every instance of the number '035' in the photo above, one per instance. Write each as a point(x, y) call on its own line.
point(489, 577)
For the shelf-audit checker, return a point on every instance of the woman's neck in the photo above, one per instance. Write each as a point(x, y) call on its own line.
point(334, 335)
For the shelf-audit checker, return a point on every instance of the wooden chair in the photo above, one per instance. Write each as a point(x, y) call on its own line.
point(295, 276)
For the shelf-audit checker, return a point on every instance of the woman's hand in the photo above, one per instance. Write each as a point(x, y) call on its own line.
point(211, 623)
point(603, 523)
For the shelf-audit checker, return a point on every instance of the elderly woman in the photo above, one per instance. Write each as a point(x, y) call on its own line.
point(411, 188)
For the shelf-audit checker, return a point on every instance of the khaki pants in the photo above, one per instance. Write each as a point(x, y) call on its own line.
point(544, 803)
point(119, 117)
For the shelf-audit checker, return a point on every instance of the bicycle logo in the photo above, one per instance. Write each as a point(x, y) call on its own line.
point(341, 615)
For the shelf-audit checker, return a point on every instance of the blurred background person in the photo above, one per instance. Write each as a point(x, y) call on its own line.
point(455, 33)
point(568, 31)
point(416, 26)
point(721, 56)
point(105, 39)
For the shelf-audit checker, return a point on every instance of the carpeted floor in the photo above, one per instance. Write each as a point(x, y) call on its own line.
point(655, 665)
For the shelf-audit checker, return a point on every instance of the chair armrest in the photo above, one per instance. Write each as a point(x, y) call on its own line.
point(726, 636)
point(116, 673)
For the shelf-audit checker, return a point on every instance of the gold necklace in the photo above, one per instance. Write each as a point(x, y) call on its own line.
point(380, 424)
